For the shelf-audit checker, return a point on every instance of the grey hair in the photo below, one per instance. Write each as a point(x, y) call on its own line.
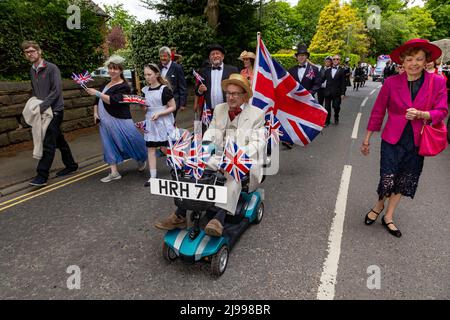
point(165, 50)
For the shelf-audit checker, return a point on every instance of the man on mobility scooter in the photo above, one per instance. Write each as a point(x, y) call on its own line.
point(238, 122)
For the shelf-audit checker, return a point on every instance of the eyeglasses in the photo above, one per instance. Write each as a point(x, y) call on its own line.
point(30, 51)
point(336, 59)
point(234, 94)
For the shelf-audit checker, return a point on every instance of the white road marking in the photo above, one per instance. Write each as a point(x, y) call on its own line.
point(364, 101)
point(330, 267)
point(356, 126)
point(373, 91)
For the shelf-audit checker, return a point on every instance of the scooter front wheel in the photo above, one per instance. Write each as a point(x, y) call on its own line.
point(219, 261)
point(259, 213)
point(168, 253)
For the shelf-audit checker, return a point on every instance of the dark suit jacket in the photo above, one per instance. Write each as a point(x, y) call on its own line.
point(175, 75)
point(335, 86)
point(206, 74)
point(311, 84)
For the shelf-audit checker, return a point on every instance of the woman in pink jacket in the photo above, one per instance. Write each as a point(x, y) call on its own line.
point(405, 97)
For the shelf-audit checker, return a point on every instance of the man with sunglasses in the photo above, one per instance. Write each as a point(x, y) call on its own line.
point(334, 90)
point(46, 85)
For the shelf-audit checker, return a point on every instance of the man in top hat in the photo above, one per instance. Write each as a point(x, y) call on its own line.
point(214, 74)
point(305, 73)
point(173, 72)
point(234, 121)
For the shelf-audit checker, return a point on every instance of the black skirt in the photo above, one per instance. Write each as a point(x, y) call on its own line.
point(156, 144)
point(400, 166)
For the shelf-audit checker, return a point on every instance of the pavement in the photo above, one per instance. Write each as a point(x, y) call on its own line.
point(17, 168)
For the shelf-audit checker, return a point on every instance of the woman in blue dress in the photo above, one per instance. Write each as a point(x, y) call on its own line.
point(121, 139)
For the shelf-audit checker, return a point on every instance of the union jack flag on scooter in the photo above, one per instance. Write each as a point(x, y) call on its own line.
point(235, 161)
point(176, 154)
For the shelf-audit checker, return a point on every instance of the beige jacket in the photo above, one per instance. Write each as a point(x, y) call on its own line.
point(39, 123)
point(248, 131)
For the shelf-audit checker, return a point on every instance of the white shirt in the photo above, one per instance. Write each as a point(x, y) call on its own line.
point(216, 87)
point(333, 71)
point(164, 70)
point(301, 72)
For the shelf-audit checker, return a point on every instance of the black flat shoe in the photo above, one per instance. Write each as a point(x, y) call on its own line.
point(369, 221)
point(395, 233)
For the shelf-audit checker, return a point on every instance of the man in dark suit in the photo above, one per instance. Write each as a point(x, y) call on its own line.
point(213, 74)
point(173, 72)
point(305, 73)
point(320, 94)
point(335, 89)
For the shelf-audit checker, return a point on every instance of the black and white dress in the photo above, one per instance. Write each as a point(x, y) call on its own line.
point(158, 131)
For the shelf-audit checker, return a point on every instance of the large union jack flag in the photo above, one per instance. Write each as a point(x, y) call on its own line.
point(275, 91)
point(176, 154)
point(235, 161)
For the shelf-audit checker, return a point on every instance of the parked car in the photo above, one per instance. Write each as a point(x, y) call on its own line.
point(102, 72)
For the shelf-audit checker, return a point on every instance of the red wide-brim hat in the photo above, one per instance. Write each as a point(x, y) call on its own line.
point(435, 51)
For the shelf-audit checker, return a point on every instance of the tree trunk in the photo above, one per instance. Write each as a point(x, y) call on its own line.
point(212, 13)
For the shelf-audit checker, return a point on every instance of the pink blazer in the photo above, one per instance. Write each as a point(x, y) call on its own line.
point(396, 98)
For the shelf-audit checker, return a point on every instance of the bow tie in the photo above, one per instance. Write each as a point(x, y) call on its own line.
point(300, 66)
point(164, 67)
point(334, 67)
point(216, 68)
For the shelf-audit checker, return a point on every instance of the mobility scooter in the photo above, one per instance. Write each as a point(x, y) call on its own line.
point(193, 244)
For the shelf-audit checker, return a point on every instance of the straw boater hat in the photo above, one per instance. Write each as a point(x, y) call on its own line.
point(116, 59)
point(239, 80)
point(424, 44)
point(248, 55)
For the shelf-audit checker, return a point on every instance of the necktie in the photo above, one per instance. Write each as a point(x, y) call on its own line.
point(232, 114)
point(217, 68)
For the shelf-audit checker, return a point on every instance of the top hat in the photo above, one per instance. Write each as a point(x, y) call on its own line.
point(424, 44)
point(302, 49)
point(239, 80)
point(216, 47)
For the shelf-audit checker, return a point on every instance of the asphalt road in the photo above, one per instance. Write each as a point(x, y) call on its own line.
point(107, 231)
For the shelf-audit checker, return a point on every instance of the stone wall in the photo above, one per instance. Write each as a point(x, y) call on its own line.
point(78, 109)
point(13, 96)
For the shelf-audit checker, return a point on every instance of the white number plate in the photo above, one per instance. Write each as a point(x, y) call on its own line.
point(187, 190)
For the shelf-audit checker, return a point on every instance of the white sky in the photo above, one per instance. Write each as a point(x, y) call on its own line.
point(134, 7)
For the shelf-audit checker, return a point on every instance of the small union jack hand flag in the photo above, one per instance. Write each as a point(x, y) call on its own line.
point(206, 114)
point(235, 161)
point(133, 99)
point(176, 154)
point(141, 125)
point(197, 76)
point(82, 79)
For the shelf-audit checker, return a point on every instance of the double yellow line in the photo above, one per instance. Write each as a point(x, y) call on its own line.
point(28, 196)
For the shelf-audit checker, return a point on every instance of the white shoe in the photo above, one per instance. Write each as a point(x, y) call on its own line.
point(141, 166)
point(111, 176)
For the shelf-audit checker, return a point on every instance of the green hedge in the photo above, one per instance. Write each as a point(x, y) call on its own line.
point(44, 21)
point(190, 36)
point(289, 60)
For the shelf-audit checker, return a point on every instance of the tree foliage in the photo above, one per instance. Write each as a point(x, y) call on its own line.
point(280, 26)
point(309, 12)
point(440, 12)
point(119, 16)
point(237, 26)
point(149, 36)
point(44, 21)
point(340, 31)
point(116, 38)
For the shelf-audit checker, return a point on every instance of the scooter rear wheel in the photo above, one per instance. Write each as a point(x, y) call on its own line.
point(219, 261)
point(259, 213)
point(168, 253)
